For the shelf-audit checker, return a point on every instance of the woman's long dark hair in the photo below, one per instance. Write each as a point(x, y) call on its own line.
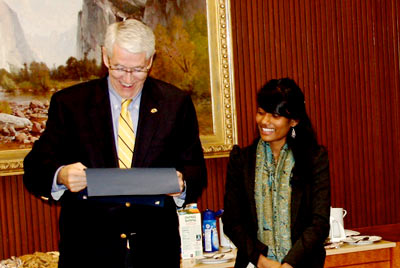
point(285, 98)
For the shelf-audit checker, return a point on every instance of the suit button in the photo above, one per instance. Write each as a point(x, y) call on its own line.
point(123, 236)
point(84, 197)
point(127, 204)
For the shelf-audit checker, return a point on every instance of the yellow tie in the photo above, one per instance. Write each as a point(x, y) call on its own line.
point(126, 136)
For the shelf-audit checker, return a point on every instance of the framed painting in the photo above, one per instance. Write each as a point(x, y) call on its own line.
point(194, 52)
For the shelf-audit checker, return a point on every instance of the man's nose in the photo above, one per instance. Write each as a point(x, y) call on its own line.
point(128, 77)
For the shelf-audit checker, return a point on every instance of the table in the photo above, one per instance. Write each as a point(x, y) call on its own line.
point(188, 263)
point(377, 255)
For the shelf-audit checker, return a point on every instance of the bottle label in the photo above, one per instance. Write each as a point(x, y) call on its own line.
point(207, 240)
point(210, 234)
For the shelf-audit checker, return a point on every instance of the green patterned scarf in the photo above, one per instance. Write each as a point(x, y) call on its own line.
point(272, 195)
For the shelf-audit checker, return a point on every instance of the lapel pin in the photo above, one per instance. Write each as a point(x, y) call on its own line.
point(153, 111)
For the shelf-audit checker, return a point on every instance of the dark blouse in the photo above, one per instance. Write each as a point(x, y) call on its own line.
point(310, 208)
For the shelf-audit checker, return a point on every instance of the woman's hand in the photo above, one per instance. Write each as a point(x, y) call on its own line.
point(264, 262)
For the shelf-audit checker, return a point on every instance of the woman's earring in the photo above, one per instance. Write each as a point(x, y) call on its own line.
point(293, 133)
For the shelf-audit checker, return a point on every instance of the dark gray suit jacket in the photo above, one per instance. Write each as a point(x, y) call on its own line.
point(310, 208)
point(79, 129)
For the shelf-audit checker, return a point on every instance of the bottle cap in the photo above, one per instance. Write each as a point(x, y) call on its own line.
point(209, 215)
point(191, 205)
point(219, 213)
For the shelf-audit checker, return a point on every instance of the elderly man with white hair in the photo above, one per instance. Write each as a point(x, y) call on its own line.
point(124, 120)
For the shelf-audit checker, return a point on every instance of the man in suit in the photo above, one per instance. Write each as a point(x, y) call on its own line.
point(83, 131)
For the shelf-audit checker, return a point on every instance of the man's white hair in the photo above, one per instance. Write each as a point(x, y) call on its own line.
point(132, 35)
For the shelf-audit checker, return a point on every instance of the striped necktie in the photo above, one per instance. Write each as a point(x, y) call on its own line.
point(126, 136)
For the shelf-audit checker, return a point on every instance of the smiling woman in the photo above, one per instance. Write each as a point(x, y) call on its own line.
point(273, 129)
point(283, 166)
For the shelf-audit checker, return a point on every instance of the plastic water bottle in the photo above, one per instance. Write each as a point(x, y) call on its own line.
point(210, 233)
point(224, 241)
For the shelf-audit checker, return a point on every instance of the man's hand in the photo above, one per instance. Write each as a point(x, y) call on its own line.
point(264, 262)
point(73, 176)
point(286, 265)
point(181, 184)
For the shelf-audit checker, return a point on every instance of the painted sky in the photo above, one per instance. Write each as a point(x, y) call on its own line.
point(50, 27)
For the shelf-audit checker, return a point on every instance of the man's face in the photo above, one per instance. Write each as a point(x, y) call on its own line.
point(128, 71)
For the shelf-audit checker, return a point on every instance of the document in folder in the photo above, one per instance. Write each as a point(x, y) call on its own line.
point(134, 181)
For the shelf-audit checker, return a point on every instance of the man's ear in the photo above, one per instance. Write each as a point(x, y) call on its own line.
point(151, 61)
point(105, 56)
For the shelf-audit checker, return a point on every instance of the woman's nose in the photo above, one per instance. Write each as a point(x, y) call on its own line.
point(267, 118)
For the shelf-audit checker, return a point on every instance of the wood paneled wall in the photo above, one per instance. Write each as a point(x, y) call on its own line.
point(344, 54)
point(27, 223)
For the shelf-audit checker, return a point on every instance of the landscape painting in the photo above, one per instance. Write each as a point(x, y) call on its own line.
point(49, 45)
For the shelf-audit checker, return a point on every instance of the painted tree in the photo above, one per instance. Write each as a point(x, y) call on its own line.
point(39, 76)
point(182, 55)
point(182, 60)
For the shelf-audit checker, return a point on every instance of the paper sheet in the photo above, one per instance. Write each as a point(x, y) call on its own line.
point(134, 181)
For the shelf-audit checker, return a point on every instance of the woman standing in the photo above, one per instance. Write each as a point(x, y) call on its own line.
point(277, 199)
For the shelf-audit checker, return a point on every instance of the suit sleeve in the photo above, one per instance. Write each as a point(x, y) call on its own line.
point(316, 232)
point(42, 162)
point(192, 163)
point(237, 218)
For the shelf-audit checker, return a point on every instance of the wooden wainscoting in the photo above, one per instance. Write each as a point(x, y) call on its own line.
point(382, 254)
point(27, 223)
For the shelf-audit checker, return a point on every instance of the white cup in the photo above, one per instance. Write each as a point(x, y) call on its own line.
point(338, 214)
point(337, 232)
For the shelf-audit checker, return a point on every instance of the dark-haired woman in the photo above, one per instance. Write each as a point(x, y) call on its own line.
point(277, 199)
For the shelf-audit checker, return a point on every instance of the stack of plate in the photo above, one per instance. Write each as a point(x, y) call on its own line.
point(358, 240)
point(216, 258)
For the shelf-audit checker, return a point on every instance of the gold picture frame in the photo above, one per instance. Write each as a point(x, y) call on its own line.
point(220, 52)
point(11, 162)
point(222, 81)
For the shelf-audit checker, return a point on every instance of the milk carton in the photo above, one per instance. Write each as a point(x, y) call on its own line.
point(190, 231)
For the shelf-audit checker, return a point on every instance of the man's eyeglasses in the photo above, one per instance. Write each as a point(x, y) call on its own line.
point(120, 71)
point(136, 71)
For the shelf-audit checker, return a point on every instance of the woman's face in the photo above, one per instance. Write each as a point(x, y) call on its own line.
point(273, 128)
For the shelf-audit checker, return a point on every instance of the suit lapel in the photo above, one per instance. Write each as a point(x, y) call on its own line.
point(149, 117)
point(251, 172)
point(104, 151)
point(297, 193)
